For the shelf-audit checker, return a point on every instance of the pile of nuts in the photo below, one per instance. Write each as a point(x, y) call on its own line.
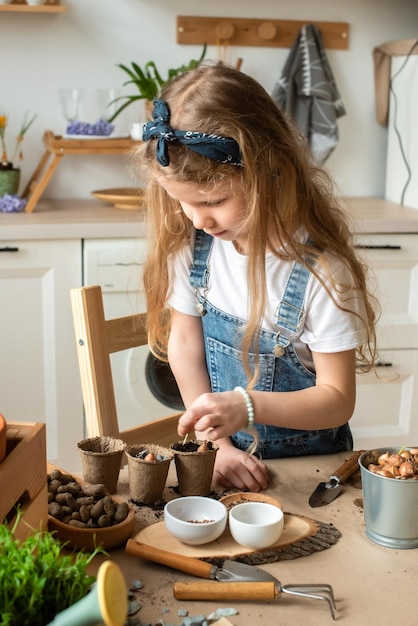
point(402, 465)
point(82, 505)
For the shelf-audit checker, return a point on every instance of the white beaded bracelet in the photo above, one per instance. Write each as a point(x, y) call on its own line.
point(249, 405)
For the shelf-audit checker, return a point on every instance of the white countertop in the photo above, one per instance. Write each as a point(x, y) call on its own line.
point(72, 219)
point(85, 219)
point(374, 215)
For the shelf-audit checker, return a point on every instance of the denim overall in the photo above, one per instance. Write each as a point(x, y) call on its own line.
point(280, 368)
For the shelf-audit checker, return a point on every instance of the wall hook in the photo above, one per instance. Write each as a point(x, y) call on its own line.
point(261, 33)
point(224, 30)
point(267, 31)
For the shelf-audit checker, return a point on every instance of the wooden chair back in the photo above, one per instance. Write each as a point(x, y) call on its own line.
point(97, 338)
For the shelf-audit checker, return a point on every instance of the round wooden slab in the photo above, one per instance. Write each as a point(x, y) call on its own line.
point(296, 528)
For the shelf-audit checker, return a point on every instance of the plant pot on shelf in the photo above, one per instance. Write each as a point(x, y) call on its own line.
point(9, 180)
point(144, 116)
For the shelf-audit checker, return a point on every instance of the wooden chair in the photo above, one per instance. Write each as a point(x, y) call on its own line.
point(97, 338)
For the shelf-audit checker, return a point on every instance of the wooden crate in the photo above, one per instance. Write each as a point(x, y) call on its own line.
point(23, 478)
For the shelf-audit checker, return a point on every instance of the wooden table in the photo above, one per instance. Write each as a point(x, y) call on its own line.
point(372, 584)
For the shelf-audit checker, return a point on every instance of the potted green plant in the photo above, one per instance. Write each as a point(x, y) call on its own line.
point(149, 81)
point(38, 581)
point(9, 172)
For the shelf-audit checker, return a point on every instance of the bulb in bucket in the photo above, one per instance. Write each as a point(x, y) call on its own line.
point(390, 499)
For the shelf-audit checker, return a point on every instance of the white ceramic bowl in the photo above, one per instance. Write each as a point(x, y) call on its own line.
point(195, 520)
point(256, 525)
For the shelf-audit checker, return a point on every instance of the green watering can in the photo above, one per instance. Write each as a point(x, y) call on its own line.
point(107, 601)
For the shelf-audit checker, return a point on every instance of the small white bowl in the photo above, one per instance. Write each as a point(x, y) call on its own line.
point(195, 520)
point(256, 525)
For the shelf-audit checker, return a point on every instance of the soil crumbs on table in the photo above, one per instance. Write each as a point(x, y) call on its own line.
point(139, 596)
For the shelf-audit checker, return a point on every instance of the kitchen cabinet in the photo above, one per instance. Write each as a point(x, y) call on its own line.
point(387, 400)
point(39, 378)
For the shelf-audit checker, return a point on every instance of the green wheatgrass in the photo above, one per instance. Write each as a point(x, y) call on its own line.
point(38, 581)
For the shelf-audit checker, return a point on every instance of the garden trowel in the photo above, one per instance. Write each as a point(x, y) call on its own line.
point(230, 570)
point(327, 492)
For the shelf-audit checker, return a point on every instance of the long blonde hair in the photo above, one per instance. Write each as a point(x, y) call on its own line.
point(285, 192)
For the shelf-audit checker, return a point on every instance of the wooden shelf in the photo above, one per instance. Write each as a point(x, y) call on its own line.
point(59, 145)
point(56, 147)
point(22, 7)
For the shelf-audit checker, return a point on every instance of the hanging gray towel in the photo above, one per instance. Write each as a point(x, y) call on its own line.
point(306, 92)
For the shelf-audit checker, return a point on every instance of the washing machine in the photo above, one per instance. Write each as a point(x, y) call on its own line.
point(145, 388)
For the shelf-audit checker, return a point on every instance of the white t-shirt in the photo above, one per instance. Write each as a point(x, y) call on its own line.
point(326, 327)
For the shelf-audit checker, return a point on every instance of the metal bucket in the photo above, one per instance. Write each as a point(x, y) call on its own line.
point(390, 505)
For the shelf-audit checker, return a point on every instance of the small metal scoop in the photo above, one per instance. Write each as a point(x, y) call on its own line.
point(327, 492)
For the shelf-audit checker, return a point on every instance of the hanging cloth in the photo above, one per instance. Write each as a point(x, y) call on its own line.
point(382, 61)
point(306, 92)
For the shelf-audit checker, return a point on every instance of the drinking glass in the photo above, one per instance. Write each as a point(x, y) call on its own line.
point(106, 104)
point(71, 102)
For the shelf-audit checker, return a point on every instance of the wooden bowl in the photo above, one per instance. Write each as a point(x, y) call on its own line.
point(89, 538)
point(248, 496)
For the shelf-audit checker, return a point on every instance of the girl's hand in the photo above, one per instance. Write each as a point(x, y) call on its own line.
point(237, 469)
point(217, 414)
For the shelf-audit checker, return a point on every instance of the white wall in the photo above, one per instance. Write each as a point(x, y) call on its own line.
point(41, 52)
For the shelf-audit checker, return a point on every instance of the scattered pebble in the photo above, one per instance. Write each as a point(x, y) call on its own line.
point(197, 620)
point(133, 607)
point(227, 612)
point(135, 585)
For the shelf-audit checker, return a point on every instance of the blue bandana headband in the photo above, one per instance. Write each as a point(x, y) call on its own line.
point(213, 147)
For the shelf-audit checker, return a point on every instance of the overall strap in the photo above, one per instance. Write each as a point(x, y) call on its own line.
point(199, 271)
point(290, 312)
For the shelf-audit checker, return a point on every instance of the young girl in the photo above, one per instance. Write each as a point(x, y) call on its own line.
point(254, 290)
